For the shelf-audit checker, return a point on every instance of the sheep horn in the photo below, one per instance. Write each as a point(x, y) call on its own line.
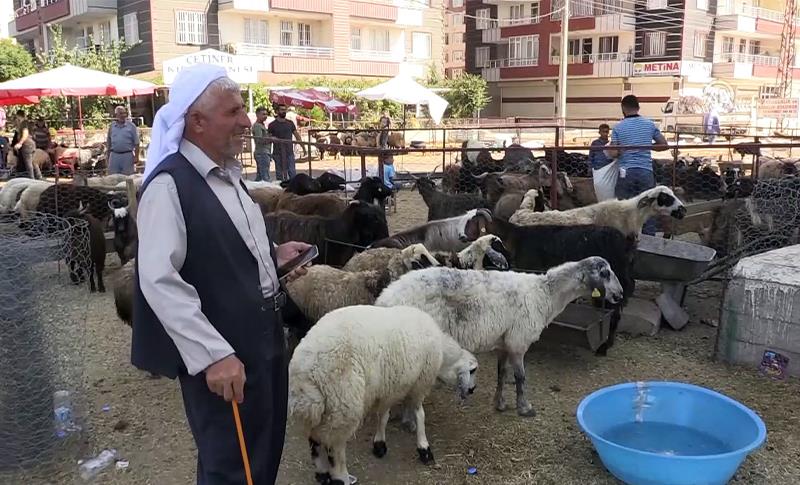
point(434, 170)
point(481, 176)
point(412, 175)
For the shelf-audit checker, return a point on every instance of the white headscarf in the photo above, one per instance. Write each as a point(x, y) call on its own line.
point(168, 125)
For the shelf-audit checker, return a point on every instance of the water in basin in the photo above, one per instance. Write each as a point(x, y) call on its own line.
point(665, 439)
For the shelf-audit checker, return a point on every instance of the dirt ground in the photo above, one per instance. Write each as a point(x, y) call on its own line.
point(152, 433)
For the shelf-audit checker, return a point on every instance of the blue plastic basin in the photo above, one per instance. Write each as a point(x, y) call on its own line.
point(669, 433)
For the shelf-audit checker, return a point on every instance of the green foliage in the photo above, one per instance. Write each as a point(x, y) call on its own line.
point(467, 94)
point(435, 78)
point(15, 61)
point(260, 98)
point(316, 113)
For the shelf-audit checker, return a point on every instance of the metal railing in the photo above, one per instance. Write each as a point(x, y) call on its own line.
point(593, 58)
point(375, 55)
point(763, 13)
point(755, 59)
point(284, 50)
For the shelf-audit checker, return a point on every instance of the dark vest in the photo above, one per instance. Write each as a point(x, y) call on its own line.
point(224, 272)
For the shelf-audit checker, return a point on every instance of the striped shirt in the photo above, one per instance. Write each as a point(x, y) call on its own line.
point(635, 130)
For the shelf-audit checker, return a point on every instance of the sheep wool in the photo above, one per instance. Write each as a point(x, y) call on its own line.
point(364, 359)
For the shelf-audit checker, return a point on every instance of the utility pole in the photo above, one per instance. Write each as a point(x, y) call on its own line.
point(562, 69)
point(787, 54)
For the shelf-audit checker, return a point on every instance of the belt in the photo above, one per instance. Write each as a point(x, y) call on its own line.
point(127, 151)
point(277, 300)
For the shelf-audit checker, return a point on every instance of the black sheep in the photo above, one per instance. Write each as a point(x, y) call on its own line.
point(97, 250)
point(543, 247)
point(441, 205)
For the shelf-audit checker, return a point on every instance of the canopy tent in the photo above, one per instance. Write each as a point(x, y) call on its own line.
point(69, 80)
point(404, 90)
point(15, 100)
point(308, 98)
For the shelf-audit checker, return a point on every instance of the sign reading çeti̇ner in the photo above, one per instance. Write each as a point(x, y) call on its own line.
point(241, 69)
point(660, 68)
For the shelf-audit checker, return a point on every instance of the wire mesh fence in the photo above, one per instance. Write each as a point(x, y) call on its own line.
point(42, 405)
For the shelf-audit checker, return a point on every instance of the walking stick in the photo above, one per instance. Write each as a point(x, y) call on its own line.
point(242, 445)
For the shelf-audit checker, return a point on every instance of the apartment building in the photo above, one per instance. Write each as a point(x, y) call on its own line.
point(655, 49)
point(454, 31)
point(6, 17)
point(83, 22)
point(281, 39)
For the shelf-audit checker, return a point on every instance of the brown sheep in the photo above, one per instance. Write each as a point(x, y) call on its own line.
point(396, 140)
point(581, 195)
point(266, 198)
point(774, 169)
point(324, 205)
point(123, 292)
point(41, 159)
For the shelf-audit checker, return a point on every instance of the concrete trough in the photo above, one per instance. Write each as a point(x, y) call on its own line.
point(761, 310)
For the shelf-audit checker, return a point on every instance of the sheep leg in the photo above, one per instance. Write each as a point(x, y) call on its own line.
point(423, 447)
point(379, 440)
point(338, 459)
point(320, 458)
point(524, 408)
point(92, 287)
point(409, 421)
point(100, 286)
point(499, 400)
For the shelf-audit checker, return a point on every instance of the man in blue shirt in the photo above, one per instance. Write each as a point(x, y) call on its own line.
point(635, 166)
point(598, 158)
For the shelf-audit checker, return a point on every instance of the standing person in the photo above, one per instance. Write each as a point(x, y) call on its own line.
point(283, 152)
point(604, 171)
point(207, 298)
point(122, 143)
point(711, 125)
point(42, 139)
point(262, 145)
point(383, 125)
point(635, 166)
point(24, 146)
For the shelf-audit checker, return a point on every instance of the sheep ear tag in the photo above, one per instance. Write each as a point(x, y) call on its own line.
point(595, 293)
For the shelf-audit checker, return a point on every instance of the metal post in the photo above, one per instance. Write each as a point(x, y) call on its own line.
point(554, 180)
point(309, 154)
point(444, 148)
point(363, 165)
point(562, 68)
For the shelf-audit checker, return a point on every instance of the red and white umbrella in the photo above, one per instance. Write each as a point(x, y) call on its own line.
point(69, 80)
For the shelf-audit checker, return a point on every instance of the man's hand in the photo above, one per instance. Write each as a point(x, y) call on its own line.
point(17, 146)
point(286, 252)
point(226, 378)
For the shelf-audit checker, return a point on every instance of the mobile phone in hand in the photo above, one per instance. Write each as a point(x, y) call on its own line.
point(300, 260)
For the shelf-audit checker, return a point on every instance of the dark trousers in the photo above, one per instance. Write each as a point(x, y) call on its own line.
point(636, 181)
point(263, 415)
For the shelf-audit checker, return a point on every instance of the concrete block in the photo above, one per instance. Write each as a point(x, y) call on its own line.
point(640, 317)
point(673, 314)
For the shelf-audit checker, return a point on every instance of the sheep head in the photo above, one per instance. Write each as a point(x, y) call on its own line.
point(474, 224)
point(599, 278)
point(417, 256)
point(662, 201)
point(489, 252)
point(458, 368)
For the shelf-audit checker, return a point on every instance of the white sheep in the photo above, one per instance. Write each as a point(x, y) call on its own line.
point(485, 252)
point(29, 198)
point(529, 200)
point(626, 215)
point(13, 189)
point(391, 262)
point(364, 359)
point(502, 311)
point(325, 288)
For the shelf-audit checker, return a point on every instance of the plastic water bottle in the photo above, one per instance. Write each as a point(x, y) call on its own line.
point(91, 468)
point(62, 410)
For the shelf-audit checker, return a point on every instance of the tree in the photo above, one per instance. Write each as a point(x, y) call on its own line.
point(260, 98)
point(467, 94)
point(15, 61)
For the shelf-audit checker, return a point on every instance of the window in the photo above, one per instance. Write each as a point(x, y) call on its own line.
point(303, 35)
point(104, 34)
point(421, 45)
point(482, 56)
point(523, 50)
point(516, 14)
point(454, 38)
point(702, 5)
point(287, 32)
point(456, 73)
point(255, 32)
point(380, 40)
point(755, 47)
point(656, 4)
point(700, 43)
point(742, 46)
point(130, 27)
point(655, 44)
point(482, 18)
point(609, 46)
point(355, 38)
point(191, 27)
point(535, 12)
point(456, 3)
point(727, 45)
point(458, 19)
point(458, 55)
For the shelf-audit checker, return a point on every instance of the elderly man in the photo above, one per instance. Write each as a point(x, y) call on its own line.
point(207, 297)
point(122, 143)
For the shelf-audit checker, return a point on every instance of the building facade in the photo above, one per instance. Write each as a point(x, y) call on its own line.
point(656, 49)
point(283, 38)
point(454, 31)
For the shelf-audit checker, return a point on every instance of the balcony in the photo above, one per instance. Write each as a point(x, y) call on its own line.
point(284, 51)
point(607, 64)
point(374, 68)
point(375, 11)
point(244, 5)
point(314, 6)
point(745, 66)
point(40, 12)
point(371, 55)
point(751, 20)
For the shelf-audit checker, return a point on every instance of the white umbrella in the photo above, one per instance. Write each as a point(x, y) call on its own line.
point(404, 90)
